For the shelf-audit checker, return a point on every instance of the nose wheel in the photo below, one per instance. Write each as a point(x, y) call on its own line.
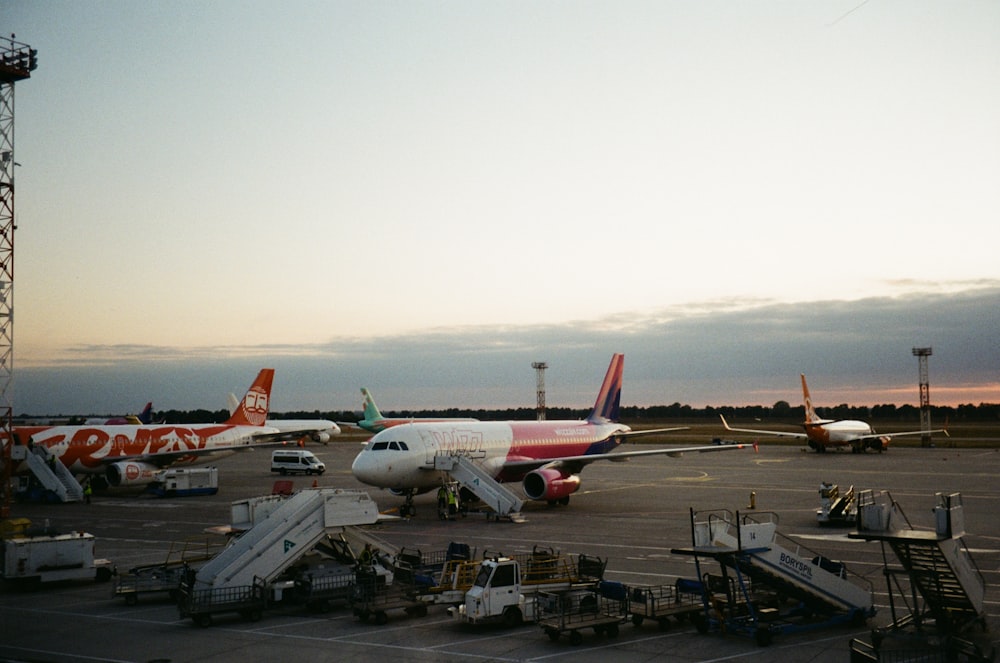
point(407, 510)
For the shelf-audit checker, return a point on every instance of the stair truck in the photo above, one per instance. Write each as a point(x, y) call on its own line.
point(242, 577)
point(937, 594)
point(505, 589)
point(764, 589)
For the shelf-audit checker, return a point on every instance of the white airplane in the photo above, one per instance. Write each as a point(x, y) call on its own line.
point(132, 454)
point(545, 455)
point(822, 434)
point(318, 430)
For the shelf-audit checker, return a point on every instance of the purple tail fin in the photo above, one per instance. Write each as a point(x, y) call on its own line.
point(609, 398)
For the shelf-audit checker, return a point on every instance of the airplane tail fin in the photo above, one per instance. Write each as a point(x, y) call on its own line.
point(253, 409)
point(811, 416)
point(146, 416)
point(609, 398)
point(371, 410)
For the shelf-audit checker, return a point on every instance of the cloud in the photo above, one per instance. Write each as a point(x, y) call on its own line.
point(716, 353)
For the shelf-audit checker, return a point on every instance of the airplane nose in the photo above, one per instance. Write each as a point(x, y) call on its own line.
point(364, 468)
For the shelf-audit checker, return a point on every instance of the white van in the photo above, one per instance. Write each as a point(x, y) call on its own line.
point(296, 460)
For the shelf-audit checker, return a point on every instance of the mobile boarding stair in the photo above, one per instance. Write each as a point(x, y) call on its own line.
point(237, 579)
point(764, 588)
point(494, 494)
point(51, 474)
point(936, 592)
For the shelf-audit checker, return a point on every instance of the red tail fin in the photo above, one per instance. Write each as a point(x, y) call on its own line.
point(252, 410)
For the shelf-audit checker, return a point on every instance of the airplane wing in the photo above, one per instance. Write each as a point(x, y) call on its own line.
point(875, 436)
point(800, 436)
point(576, 463)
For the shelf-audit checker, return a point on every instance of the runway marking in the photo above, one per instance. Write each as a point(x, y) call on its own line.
point(63, 654)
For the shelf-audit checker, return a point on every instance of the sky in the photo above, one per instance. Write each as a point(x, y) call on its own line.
point(425, 197)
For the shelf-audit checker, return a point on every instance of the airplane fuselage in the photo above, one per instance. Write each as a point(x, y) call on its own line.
point(89, 449)
point(402, 457)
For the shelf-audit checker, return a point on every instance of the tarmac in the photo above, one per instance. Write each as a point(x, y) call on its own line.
point(631, 513)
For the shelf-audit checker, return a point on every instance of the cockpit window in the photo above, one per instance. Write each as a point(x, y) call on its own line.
point(393, 445)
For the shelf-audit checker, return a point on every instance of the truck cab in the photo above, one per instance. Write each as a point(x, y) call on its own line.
point(496, 593)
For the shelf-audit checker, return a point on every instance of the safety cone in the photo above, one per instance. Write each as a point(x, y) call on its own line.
point(315, 483)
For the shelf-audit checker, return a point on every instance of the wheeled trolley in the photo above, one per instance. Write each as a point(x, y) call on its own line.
point(569, 613)
point(659, 603)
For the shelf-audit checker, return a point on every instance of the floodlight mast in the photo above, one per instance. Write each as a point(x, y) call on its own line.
point(925, 395)
point(17, 61)
point(540, 367)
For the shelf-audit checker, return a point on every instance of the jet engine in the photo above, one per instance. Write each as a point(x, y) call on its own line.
point(131, 473)
point(550, 484)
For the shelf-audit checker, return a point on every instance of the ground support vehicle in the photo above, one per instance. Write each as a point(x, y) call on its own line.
point(764, 589)
point(571, 612)
point(201, 605)
point(185, 482)
point(836, 509)
point(504, 588)
point(166, 577)
point(937, 594)
point(661, 602)
point(30, 558)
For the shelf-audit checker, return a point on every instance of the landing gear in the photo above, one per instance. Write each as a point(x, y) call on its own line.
point(407, 510)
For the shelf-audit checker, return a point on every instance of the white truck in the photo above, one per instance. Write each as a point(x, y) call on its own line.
point(49, 557)
point(183, 482)
point(501, 593)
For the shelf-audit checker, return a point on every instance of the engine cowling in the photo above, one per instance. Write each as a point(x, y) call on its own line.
point(550, 484)
point(131, 473)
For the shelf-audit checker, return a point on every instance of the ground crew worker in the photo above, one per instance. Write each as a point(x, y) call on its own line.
point(442, 500)
point(87, 492)
point(452, 503)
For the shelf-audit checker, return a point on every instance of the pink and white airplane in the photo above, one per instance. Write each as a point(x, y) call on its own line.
point(546, 456)
point(822, 434)
point(131, 454)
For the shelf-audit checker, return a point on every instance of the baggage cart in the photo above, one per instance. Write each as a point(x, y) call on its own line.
point(574, 611)
point(372, 597)
point(661, 602)
point(317, 591)
point(202, 604)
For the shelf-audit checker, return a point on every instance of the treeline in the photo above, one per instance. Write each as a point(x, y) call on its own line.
point(781, 412)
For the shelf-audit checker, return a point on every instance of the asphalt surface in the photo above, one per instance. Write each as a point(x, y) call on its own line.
point(631, 513)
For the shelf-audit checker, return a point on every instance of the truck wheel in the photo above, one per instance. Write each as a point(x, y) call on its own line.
point(612, 631)
point(637, 620)
point(103, 574)
point(203, 621)
point(131, 599)
point(575, 637)
point(664, 623)
point(552, 633)
point(512, 617)
point(763, 636)
point(381, 618)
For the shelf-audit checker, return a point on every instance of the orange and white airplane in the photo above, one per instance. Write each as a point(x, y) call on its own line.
point(822, 434)
point(128, 455)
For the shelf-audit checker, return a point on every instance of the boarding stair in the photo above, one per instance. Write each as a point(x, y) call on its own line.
point(288, 531)
point(53, 475)
point(750, 545)
point(938, 564)
point(758, 574)
point(472, 477)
